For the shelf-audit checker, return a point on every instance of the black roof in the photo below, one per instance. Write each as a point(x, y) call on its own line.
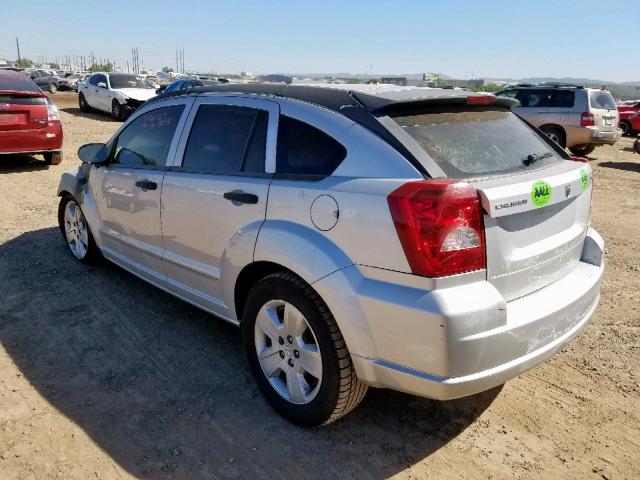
point(339, 99)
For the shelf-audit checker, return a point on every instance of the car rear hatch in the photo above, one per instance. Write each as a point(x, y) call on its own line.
point(536, 201)
point(22, 110)
point(604, 109)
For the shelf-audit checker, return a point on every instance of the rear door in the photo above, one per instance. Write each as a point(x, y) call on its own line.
point(536, 202)
point(127, 190)
point(216, 190)
point(533, 104)
point(604, 109)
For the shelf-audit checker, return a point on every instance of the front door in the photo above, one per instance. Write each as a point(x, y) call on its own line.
point(127, 190)
point(216, 194)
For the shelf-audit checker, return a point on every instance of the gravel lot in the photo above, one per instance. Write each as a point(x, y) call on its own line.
point(104, 376)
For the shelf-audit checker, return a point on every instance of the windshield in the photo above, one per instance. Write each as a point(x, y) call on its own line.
point(128, 81)
point(482, 141)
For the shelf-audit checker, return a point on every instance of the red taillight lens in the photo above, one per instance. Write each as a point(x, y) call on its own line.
point(439, 223)
point(587, 120)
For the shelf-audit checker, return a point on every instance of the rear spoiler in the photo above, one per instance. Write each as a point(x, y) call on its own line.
point(385, 106)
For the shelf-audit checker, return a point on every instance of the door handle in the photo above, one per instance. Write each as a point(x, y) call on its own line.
point(146, 184)
point(238, 196)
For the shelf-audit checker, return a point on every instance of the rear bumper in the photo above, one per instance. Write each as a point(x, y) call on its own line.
point(591, 136)
point(460, 340)
point(38, 140)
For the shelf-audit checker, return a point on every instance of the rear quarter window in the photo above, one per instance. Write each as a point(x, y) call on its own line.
point(306, 150)
point(471, 142)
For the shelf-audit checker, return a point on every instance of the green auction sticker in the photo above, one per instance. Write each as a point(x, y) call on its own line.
point(541, 193)
point(584, 178)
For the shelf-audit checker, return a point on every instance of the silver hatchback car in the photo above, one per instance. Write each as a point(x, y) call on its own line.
point(422, 240)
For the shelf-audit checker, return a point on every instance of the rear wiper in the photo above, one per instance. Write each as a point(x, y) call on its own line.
point(534, 157)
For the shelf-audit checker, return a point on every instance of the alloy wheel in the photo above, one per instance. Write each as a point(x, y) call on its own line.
point(75, 229)
point(288, 351)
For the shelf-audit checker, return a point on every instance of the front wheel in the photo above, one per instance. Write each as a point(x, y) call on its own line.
point(297, 354)
point(75, 230)
point(82, 103)
point(53, 88)
point(582, 150)
point(626, 128)
point(117, 112)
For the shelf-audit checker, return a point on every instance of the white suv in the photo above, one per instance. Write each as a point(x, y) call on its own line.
point(423, 240)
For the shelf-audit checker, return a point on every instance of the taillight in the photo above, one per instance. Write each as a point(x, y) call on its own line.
point(587, 120)
point(439, 224)
point(53, 116)
point(579, 159)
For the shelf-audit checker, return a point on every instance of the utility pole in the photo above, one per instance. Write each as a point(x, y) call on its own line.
point(18, 47)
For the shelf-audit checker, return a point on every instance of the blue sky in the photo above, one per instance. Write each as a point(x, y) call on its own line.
point(595, 39)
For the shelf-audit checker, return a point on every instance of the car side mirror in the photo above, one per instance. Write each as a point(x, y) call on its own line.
point(102, 85)
point(94, 153)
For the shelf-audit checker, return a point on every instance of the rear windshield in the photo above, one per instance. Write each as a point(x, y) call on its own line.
point(603, 100)
point(17, 82)
point(475, 142)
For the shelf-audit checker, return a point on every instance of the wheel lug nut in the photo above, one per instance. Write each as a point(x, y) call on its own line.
point(290, 339)
point(296, 353)
point(290, 362)
point(281, 340)
point(281, 354)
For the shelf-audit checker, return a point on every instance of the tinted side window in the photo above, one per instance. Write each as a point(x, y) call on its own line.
point(146, 140)
point(563, 99)
point(305, 150)
point(535, 98)
point(227, 139)
point(93, 80)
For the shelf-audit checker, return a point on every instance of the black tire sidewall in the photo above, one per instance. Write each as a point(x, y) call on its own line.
point(322, 406)
point(559, 133)
point(117, 117)
point(53, 88)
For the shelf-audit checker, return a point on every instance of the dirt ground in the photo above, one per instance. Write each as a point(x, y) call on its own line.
point(103, 376)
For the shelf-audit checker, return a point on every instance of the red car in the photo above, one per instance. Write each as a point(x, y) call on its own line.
point(629, 118)
point(29, 121)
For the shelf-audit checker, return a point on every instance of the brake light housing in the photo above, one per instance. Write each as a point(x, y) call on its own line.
point(587, 120)
point(53, 116)
point(440, 226)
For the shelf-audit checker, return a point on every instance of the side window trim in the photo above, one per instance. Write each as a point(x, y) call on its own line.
point(270, 106)
point(188, 104)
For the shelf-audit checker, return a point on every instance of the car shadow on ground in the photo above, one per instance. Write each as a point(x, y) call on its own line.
point(629, 166)
point(22, 163)
point(97, 116)
point(164, 388)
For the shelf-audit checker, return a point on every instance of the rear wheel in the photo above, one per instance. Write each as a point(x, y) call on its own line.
point(582, 150)
point(626, 128)
point(75, 230)
point(52, 158)
point(53, 88)
point(117, 112)
point(297, 354)
point(82, 103)
point(554, 133)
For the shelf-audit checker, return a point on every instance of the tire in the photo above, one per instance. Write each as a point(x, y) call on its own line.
point(82, 247)
point(82, 103)
point(582, 150)
point(117, 112)
point(52, 158)
point(556, 134)
point(53, 88)
point(636, 145)
point(318, 401)
point(626, 128)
